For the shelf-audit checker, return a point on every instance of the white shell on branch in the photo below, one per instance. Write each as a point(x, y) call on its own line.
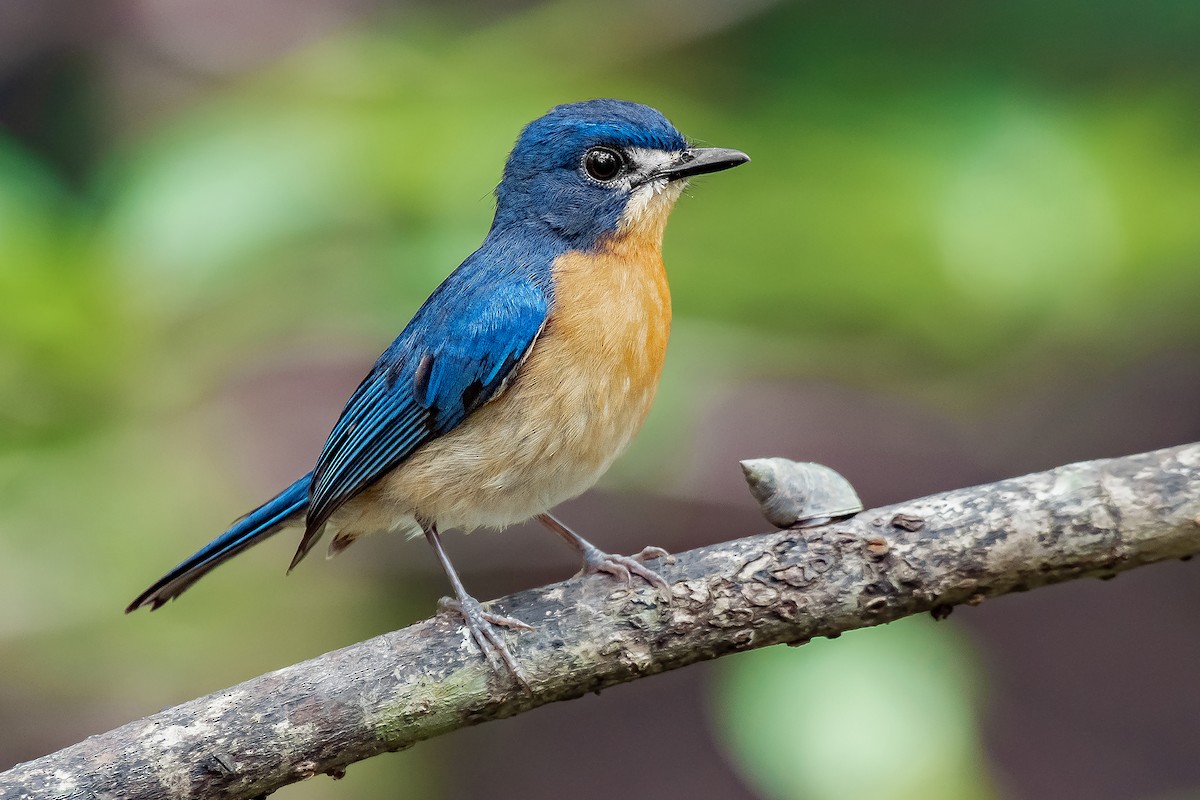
point(799, 494)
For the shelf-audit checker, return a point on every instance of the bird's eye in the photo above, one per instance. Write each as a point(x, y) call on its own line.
point(603, 163)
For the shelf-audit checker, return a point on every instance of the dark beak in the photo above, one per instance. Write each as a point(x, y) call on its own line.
point(701, 161)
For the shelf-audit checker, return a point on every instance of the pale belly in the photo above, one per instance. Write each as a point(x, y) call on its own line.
point(571, 409)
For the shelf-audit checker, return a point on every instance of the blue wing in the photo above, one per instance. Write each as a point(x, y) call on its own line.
point(452, 358)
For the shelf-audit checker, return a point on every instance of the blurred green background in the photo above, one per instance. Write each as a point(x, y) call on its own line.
point(967, 247)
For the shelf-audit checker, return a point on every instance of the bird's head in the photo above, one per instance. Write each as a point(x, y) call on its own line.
point(591, 170)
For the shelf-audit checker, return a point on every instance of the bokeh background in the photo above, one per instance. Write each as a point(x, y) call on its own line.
point(967, 248)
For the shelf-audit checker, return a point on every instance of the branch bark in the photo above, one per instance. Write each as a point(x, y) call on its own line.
point(1090, 519)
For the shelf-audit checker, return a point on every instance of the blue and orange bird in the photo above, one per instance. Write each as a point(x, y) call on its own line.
point(525, 373)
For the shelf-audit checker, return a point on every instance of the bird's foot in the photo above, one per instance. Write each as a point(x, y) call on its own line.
point(596, 560)
point(490, 642)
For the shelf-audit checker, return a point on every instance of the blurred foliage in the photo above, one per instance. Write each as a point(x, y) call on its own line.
point(964, 192)
point(884, 712)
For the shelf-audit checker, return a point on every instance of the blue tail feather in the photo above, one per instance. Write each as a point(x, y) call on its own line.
point(259, 524)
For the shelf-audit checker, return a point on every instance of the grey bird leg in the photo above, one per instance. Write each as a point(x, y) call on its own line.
point(479, 622)
point(596, 560)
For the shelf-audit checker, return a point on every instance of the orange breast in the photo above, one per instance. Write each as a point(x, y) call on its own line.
point(612, 316)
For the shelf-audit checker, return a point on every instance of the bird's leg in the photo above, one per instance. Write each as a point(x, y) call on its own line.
point(596, 560)
point(479, 622)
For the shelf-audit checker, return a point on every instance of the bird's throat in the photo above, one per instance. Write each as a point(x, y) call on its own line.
point(645, 216)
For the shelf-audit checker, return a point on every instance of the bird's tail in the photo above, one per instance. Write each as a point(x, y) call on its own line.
point(269, 518)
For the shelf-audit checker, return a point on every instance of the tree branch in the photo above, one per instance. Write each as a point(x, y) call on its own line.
point(1095, 518)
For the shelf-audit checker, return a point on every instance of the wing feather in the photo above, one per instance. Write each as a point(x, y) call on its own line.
point(454, 356)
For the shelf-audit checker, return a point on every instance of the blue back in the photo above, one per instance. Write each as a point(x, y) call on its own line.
point(450, 359)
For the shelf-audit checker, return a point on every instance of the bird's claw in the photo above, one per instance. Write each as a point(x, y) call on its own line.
point(480, 623)
point(449, 604)
point(624, 568)
point(651, 553)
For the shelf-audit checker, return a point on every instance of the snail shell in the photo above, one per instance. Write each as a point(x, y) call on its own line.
point(799, 494)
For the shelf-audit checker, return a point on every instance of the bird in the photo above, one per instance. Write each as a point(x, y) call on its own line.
point(523, 375)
